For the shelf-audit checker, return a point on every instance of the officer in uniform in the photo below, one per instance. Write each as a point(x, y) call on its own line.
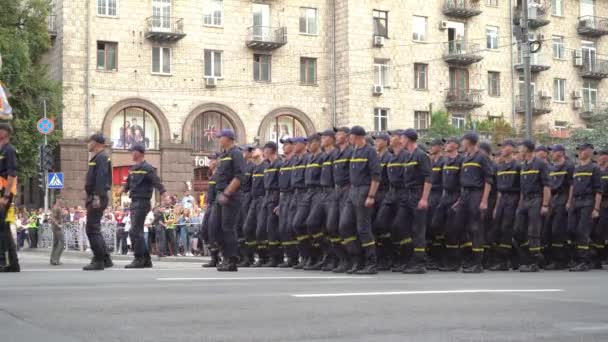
point(255, 225)
point(230, 175)
point(246, 203)
point(141, 182)
point(365, 174)
point(600, 236)
point(507, 184)
point(209, 231)
point(584, 204)
point(329, 204)
point(8, 190)
point(534, 204)
point(97, 184)
point(341, 164)
point(271, 201)
point(445, 215)
point(560, 173)
point(488, 257)
point(288, 239)
point(476, 182)
point(300, 202)
point(542, 153)
point(434, 238)
point(413, 205)
point(382, 232)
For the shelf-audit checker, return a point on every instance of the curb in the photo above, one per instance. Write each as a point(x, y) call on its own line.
point(47, 251)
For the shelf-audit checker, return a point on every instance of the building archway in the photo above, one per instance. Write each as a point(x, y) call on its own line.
point(285, 122)
point(205, 121)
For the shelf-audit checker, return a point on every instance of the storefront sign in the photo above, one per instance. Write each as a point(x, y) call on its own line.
point(201, 161)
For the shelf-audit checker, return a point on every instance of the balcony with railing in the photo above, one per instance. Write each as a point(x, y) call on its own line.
point(461, 52)
point(540, 104)
point(592, 26)
point(52, 25)
point(590, 110)
point(462, 8)
point(538, 62)
point(463, 99)
point(266, 38)
point(164, 29)
point(538, 15)
point(596, 69)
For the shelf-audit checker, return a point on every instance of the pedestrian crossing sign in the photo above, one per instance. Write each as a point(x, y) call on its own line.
point(55, 180)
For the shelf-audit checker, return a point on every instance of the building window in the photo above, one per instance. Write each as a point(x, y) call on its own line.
point(458, 121)
point(589, 94)
point(261, 68)
point(134, 125)
point(213, 63)
point(422, 120)
point(308, 20)
point(380, 119)
point(380, 23)
point(308, 70)
point(560, 125)
point(420, 76)
point(213, 12)
point(161, 60)
point(492, 37)
point(204, 130)
point(106, 56)
point(381, 72)
point(492, 3)
point(419, 28)
point(283, 126)
point(493, 83)
point(559, 49)
point(557, 7)
point(108, 8)
point(559, 90)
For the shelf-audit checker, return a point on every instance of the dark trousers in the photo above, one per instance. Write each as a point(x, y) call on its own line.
point(161, 240)
point(528, 229)
point(33, 233)
point(383, 222)
point(444, 223)
point(255, 218)
point(502, 230)
point(288, 239)
point(557, 222)
point(317, 219)
point(139, 210)
point(580, 223)
point(335, 206)
point(432, 232)
point(7, 241)
point(302, 203)
point(210, 232)
point(411, 224)
point(171, 241)
point(470, 217)
point(93, 228)
point(360, 234)
point(227, 220)
point(243, 211)
point(271, 201)
point(121, 241)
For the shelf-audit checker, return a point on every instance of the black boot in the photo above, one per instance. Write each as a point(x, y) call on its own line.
point(215, 255)
point(342, 267)
point(330, 264)
point(147, 261)
point(95, 265)
point(416, 266)
point(290, 262)
point(580, 267)
point(228, 265)
point(356, 265)
point(13, 268)
point(528, 268)
point(371, 262)
point(107, 261)
point(137, 263)
point(246, 262)
point(301, 264)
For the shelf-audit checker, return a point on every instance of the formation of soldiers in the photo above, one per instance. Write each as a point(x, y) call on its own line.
point(341, 201)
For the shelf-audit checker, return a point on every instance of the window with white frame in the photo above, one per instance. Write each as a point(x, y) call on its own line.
point(492, 37)
point(213, 64)
point(380, 119)
point(559, 90)
point(381, 72)
point(308, 20)
point(261, 68)
point(108, 8)
point(589, 94)
point(419, 28)
point(422, 120)
point(557, 7)
point(492, 3)
point(380, 23)
point(213, 12)
point(560, 125)
point(421, 76)
point(493, 83)
point(161, 60)
point(559, 48)
point(458, 121)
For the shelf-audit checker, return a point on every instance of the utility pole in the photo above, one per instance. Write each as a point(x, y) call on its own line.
point(525, 51)
point(44, 169)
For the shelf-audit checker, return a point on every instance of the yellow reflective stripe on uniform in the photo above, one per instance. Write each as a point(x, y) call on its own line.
point(358, 160)
point(396, 165)
point(349, 240)
point(598, 246)
point(211, 183)
point(478, 250)
point(225, 158)
point(471, 164)
point(297, 167)
point(258, 175)
point(448, 167)
point(274, 243)
point(534, 249)
point(419, 250)
point(558, 245)
point(604, 177)
point(467, 244)
point(312, 165)
point(384, 236)
point(289, 243)
point(382, 164)
point(270, 170)
point(583, 174)
point(340, 161)
point(327, 163)
point(335, 240)
point(582, 247)
point(138, 172)
point(524, 244)
point(504, 245)
point(530, 172)
point(558, 173)
point(369, 244)
point(405, 241)
point(500, 173)
point(251, 243)
point(286, 168)
point(303, 237)
point(436, 169)
point(452, 246)
point(92, 164)
point(410, 164)
point(318, 235)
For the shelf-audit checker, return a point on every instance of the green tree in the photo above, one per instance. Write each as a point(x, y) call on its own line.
point(441, 126)
point(24, 39)
point(595, 135)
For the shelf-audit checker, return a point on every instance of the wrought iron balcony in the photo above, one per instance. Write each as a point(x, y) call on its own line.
point(538, 15)
point(538, 62)
point(462, 8)
point(464, 99)
point(540, 105)
point(164, 29)
point(595, 69)
point(266, 38)
point(52, 25)
point(592, 26)
point(461, 52)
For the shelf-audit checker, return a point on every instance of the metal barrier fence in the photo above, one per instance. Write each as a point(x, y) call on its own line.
point(75, 236)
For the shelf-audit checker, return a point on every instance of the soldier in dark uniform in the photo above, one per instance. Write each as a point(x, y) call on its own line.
point(329, 203)
point(364, 177)
point(255, 224)
point(534, 204)
point(600, 235)
point(413, 205)
point(245, 250)
point(141, 182)
point(476, 182)
point(97, 185)
point(489, 241)
point(8, 190)
point(383, 232)
point(434, 237)
point(271, 201)
point(584, 204)
point(288, 238)
point(341, 164)
point(507, 184)
point(445, 216)
point(230, 175)
point(300, 202)
point(542, 153)
point(209, 231)
point(560, 173)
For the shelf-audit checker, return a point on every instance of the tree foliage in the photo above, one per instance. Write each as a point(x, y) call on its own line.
point(24, 39)
point(495, 130)
point(596, 134)
point(441, 126)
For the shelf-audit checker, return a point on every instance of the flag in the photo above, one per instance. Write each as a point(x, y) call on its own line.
point(5, 107)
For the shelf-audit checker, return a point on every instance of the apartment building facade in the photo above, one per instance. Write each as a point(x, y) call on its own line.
point(171, 73)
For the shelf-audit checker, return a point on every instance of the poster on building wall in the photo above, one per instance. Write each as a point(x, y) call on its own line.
point(134, 126)
point(281, 128)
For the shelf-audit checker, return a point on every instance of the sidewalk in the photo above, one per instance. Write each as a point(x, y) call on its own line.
point(47, 251)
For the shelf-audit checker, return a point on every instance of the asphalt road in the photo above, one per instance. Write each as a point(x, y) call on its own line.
point(183, 302)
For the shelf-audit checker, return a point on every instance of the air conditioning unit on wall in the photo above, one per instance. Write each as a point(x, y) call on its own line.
point(211, 82)
point(378, 41)
point(378, 90)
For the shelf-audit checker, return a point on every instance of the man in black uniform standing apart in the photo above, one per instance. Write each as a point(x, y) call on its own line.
point(97, 185)
point(140, 185)
point(8, 190)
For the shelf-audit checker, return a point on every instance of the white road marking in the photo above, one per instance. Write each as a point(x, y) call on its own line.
point(260, 278)
point(396, 293)
point(119, 269)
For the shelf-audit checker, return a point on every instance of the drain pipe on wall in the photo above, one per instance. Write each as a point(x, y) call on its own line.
point(513, 80)
point(87, 105)
point(333, 68)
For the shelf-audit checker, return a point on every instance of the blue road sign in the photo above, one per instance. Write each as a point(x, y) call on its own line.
point(55, 180)
point(45, 126)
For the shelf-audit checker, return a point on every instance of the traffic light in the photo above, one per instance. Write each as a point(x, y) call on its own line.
point(46, 157)
point(41, 180)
